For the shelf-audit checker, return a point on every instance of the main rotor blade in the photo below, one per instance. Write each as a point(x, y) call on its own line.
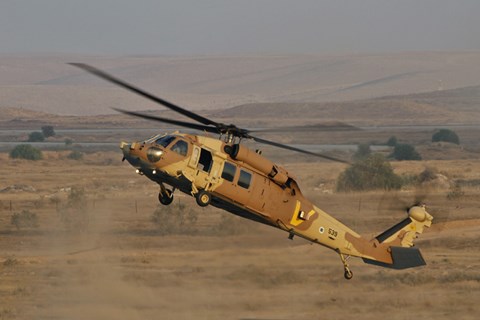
point(121, 83)
point(284, 146)
point(310, 128)
point(190, 125)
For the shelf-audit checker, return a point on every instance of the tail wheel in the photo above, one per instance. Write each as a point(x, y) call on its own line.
point(165, 198)
point(203, 198)
point(348, 274)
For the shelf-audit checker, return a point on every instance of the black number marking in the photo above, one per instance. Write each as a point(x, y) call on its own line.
point(332, 232)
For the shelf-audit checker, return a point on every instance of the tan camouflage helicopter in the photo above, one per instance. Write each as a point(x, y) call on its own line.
point(226, 174)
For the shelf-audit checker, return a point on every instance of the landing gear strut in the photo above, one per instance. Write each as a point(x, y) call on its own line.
point(165, 196)
point(348, 274)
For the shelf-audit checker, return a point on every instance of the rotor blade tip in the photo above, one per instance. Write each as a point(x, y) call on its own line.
point(75, 64)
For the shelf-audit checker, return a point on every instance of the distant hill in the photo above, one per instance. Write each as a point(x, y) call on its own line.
point(21, 118)
point(9, 114)
point(455, 106)
point(46, 83)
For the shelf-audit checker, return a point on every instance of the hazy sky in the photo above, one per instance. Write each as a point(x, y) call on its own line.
point(223, 26)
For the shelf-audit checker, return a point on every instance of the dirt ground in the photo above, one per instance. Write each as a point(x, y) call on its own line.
point(109, 261)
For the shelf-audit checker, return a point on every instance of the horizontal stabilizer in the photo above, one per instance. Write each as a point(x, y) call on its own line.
point(390, 232)
point(403, 258)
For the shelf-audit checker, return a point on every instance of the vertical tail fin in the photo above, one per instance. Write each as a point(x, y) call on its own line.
point(400, 237)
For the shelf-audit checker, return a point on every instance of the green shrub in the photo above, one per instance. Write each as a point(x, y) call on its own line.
point(26, 151)
point(48, 131)
point(75, 155)
point(405, 152)
point(36, 137)
point(445, 135)
point(427, 175)
point(392, 142)
point(371, 173)
point(68, 142)
point(24, 219)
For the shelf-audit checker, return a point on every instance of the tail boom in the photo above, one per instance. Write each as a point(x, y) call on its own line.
point(394, 247)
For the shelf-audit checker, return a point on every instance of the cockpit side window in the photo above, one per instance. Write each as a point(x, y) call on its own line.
point(180, 147)
point(165, 141)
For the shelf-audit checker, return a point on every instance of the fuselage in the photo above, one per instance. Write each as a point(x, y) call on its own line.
point(245, 184)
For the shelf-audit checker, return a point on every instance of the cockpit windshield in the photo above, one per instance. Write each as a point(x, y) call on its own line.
point(165, 140)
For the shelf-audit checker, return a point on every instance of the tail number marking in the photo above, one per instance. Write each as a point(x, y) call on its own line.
point(332, 234)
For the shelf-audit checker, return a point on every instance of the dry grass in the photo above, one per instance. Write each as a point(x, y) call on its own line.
point(119, 267)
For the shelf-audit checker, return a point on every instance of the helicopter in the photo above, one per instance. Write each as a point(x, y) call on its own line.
point(226, 174)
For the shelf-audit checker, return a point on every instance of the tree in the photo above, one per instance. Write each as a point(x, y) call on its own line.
point(68, 142)
point(36, 137)
point(405, 152)
point(371, 173)
point(445, 135)
point(26, 151)
point(48, 131)
point(392, 142)
point(363, 151)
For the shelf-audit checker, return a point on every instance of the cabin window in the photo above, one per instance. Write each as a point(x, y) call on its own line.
point(244, 179)
point(180, 147)
point(205, 161)
point(229, 170)
point(165, 141)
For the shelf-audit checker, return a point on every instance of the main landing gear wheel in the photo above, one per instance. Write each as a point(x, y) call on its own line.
point(165, 198)
point(203, 198)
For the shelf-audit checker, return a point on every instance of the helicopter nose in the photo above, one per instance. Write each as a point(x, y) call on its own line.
point(128, 150)
point(126, 147)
